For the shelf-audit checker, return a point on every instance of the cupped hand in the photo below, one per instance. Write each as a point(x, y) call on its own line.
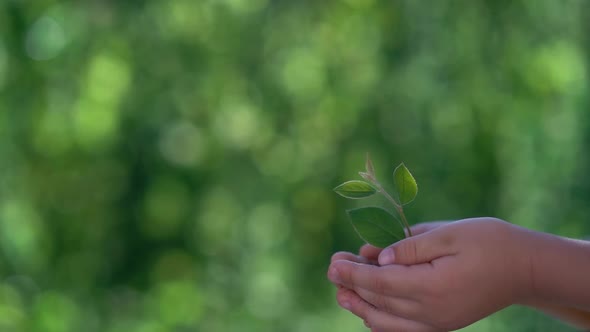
point(443, 278)
point(349, 300)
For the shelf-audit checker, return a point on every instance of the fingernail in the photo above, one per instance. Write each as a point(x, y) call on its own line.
point(387, 256)
point(346, 305)
point(333, 274)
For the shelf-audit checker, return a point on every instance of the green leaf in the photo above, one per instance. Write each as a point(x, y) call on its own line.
point(355, 189)
point(405, 184)
point(376, 226)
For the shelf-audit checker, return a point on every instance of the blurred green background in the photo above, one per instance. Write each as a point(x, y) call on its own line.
point(168, 165)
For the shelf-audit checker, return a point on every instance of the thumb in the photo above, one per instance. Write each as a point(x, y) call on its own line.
point(418, 249)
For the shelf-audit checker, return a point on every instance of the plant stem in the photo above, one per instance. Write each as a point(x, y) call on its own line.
point(404, 220)
point(398, 207)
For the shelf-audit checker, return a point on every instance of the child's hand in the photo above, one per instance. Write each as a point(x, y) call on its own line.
point(369, 254)
point(443, 279)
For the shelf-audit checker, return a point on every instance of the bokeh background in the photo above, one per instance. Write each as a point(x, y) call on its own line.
point(168, 165)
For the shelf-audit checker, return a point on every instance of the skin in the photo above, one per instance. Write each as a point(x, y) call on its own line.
point(450, 275)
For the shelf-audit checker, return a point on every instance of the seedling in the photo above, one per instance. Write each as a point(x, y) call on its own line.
point(375, 225)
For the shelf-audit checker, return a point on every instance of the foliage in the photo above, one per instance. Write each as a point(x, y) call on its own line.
point(166, 165)
point(375, 225)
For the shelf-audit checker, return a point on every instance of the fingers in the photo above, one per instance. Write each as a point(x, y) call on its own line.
point(395, 280)
point(427, 226)
point(399, 306)
point(418, 249)
point(376, 319)
point(352, 275)
point(347, 256)
point(370, 252)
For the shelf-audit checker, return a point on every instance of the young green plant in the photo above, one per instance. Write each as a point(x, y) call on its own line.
point(375, 225)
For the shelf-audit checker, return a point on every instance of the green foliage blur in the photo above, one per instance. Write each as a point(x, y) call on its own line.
point(169, 165)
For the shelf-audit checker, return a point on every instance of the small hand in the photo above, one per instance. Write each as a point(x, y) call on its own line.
point(369, 254)
point(442, 279)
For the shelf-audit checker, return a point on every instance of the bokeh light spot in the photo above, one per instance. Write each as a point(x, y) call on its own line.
point(183, 144)
point(558, 68)
point(176, 303)
point(217, 216)
point(96, 117)
point(22, 235)
point(183, 18)
point(108, 78)
point(267, 295)
point(95, 128)
point(54, 312)
point(45, 39)
point(268, 226)
point(237, 123)
point(303, 73)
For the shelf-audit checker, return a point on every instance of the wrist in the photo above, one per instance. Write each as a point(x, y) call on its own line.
point(523, 254)
point(558, 270)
